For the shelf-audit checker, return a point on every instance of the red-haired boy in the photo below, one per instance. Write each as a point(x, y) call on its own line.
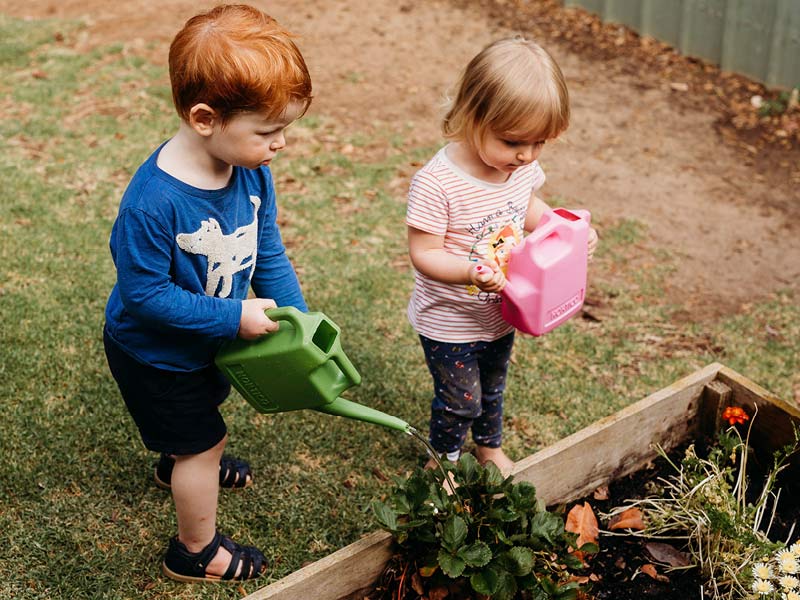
point(196, 228)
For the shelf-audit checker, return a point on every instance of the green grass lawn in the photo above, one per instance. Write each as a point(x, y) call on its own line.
point(79, 514)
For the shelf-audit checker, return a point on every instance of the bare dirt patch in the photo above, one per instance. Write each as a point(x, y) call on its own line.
point(720, 193)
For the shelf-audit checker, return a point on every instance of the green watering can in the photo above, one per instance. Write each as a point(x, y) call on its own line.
point(302, 365)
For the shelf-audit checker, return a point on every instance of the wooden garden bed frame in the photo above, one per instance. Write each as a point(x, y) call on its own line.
point(575, 466)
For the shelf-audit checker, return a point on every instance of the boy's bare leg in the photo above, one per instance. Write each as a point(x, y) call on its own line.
point(195, 490)
point(485, 454)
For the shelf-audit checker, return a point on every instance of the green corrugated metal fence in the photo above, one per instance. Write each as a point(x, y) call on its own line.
point(758, 38)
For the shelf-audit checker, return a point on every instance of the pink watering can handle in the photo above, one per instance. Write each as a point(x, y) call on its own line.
point(571, 214)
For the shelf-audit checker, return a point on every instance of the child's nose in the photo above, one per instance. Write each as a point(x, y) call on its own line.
point(525, 154)
point(278, 143)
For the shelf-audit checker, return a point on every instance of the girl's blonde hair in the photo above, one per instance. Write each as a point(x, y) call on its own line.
point(513, 86)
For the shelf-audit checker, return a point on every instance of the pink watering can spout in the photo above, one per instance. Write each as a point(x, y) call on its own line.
point(546, 275)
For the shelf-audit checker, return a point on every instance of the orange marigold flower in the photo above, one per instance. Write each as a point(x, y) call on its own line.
point(735, 415)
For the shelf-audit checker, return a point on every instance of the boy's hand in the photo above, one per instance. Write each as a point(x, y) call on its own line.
point(592, 241)
point(488, 276)
point(254, 322)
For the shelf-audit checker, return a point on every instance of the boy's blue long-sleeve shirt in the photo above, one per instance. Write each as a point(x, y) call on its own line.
point(185, 259)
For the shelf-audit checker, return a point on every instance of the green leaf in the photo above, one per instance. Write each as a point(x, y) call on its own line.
point(572, 562)
point(417, 489)
point(528, 582)
point(518, 560)
point(502, 537)
point(413, 524)
point(439, 497)
point(386, 516)
point(454, 532)
point(568, 591)
point(590, 548)
point(476, 555)
point(485, 581)
point(401, 504)
point(469, 469)
point(506, 515)
point(452, 566)
point(506, 586)
point(548, 586)
point(547, 526)
point(426, 535)
point(523, 496)
point(494, 478)
point(538, 593)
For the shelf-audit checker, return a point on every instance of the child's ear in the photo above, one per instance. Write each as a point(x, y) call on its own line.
point(202, 119)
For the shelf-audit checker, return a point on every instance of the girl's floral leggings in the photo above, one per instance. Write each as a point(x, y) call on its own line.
point(468, 381)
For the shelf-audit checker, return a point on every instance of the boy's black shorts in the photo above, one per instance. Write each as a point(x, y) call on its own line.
point(176, 412)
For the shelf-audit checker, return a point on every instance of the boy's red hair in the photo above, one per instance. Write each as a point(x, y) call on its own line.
point(235, 58)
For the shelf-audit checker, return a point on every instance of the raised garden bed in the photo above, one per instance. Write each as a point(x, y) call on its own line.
point(574, 467)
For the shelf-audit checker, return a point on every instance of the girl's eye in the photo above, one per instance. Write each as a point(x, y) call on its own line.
point(514, 143)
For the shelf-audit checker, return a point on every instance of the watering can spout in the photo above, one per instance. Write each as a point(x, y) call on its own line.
point(342, 407)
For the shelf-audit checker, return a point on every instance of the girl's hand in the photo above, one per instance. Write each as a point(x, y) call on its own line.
point(592, 241)
point(254, 322)
point(487, 276)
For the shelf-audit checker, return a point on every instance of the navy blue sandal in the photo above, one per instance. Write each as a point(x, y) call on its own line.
point(233, 472)
point(190, 567)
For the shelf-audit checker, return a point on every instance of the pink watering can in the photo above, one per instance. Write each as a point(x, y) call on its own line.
point(546, 275)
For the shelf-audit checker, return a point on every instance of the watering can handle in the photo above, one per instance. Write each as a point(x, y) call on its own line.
point(347, 368)
point(294, 316)
point(285, 313)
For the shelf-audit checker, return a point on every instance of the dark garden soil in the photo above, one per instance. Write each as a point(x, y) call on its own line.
point(618, 565)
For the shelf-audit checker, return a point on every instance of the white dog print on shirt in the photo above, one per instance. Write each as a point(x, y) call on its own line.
point(227, 254)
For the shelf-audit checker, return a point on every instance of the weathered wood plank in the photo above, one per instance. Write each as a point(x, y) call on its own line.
point(716, 397)
point(617, 445)
point(337, 575)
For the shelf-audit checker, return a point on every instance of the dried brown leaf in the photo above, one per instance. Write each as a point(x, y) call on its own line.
point(581, 520)
point(601, 493)
point(438, 593)
point(428, 571)
point(650, 571)
point(416, 584)
point(630, 518)
point(667, 554)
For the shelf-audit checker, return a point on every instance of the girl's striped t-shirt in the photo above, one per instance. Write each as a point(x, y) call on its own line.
point(479, 220)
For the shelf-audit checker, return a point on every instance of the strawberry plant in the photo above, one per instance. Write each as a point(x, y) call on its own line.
point(491, 539)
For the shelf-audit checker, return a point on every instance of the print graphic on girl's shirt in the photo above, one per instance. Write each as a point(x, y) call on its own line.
point(500, 245)
point(500, 239)
point(226, 254)
point(509, 216)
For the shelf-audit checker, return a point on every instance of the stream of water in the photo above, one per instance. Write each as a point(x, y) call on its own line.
point(448, 481)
